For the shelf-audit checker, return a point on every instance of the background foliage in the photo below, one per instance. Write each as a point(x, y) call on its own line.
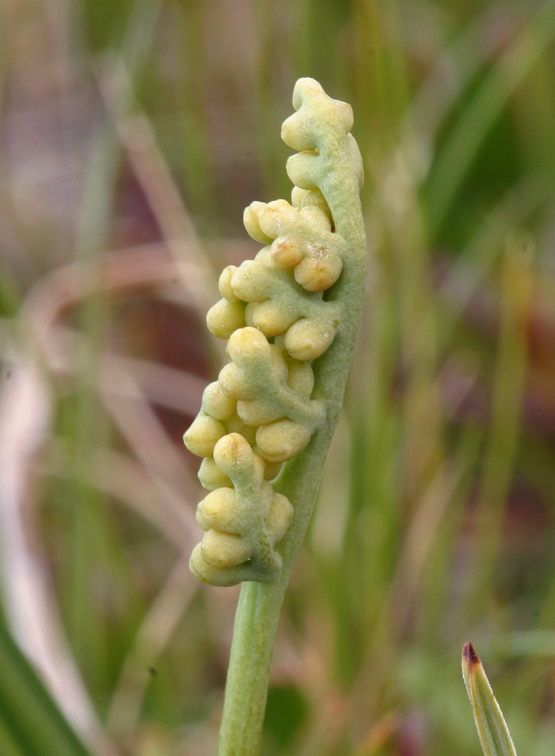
point(133, 134)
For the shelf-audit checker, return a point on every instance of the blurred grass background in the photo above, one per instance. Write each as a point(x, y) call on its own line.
point(133, 134)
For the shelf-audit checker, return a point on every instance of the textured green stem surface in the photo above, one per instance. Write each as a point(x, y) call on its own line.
point(260, 604)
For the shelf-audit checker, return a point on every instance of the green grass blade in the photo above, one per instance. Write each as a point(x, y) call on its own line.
point(30, 722)
point(493, 732)
point(467, 136)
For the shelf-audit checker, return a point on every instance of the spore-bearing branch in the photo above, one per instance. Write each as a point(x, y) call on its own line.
point(281, 311)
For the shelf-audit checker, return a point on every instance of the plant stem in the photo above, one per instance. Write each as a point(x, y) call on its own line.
point(260, 604)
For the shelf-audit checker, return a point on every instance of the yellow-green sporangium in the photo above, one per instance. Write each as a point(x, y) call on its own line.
point(281, 312)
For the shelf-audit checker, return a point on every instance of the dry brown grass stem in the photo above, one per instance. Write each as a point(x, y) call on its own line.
point(153, 173)
point(29, 602)
point(127, 386)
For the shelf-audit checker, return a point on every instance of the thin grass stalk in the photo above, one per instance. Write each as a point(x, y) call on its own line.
point(510, 373)
point(477, 118)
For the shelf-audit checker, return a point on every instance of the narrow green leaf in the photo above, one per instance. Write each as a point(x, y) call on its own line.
point(10, 745)
point(492, 730)
point(30, 722)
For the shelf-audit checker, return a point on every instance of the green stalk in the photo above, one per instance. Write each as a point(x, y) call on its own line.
point(314, 313)
point(259, 607)
point(260, 604)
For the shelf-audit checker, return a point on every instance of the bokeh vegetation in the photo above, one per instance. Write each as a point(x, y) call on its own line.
point(133, 135)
